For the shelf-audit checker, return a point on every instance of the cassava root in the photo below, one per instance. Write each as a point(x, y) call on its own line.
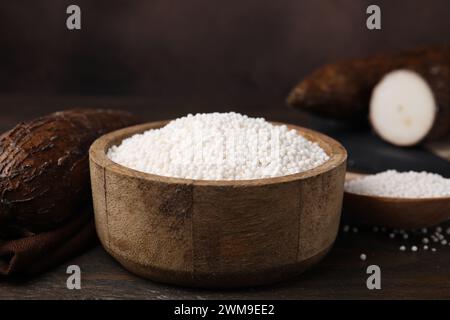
point(408, 107)
point(44, 171)
point(342, 90)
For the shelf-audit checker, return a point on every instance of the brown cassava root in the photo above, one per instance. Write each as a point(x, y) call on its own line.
point(342, 90)
point(44, 171)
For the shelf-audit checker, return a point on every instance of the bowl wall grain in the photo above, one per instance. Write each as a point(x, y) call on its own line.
point(216, 233)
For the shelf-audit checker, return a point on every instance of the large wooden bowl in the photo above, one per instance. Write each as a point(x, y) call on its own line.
point(216, 233)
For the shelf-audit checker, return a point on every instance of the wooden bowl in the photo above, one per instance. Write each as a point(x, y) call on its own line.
point(397, 213)
point(216, 233)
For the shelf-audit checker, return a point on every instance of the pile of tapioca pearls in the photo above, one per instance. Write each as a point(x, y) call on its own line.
point(426, 239)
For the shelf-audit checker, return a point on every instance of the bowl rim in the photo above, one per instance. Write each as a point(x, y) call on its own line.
point(98, 150)
point(387, 199)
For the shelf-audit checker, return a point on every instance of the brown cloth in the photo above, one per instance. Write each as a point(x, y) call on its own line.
point(35, 254)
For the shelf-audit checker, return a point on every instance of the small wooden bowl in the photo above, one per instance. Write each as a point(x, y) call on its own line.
point(216, 233)
point(397, 213)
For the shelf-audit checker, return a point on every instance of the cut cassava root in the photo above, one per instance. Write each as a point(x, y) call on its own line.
point(44, 171)
point(342, 90)
point(402, 108)
point(412, 105)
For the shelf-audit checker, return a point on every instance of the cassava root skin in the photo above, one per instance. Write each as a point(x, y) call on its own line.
point(342, 90)
point(44, 170)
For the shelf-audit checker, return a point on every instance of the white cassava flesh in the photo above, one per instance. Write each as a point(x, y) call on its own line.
point(402, 108)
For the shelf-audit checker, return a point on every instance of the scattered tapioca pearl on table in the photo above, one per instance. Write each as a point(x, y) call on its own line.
point(412, 241)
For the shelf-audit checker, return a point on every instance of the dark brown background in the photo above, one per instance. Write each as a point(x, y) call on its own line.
point(222, 51)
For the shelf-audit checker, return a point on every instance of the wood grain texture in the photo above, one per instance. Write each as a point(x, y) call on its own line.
point(341, 274)
point(216, 233)
point(399, 213)
point(396, 213)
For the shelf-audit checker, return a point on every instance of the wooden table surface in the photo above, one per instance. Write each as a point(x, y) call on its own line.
point(342, 274)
